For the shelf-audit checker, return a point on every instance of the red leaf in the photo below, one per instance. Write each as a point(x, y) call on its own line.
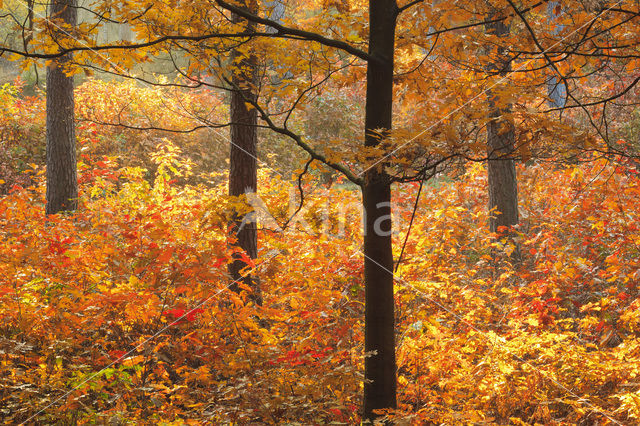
point(117, 354)
point(177, 313)
point(191, 315)
point(336, 412)
point(165, 256)
point(246, 259)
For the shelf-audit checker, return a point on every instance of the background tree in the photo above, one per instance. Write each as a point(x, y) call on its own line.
point(557, 90)
point(62, 180)
point(501, 146)
point(243, 154)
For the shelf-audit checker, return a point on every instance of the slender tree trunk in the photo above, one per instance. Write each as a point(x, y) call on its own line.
point(242, 160)
point(503, 183)
point(62, 180)
point(556, 89)
point(380, 365)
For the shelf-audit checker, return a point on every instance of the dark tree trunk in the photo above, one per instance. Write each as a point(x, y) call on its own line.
point(503, 183)
point(379, 340)
point(243, 163)
point(62, 180)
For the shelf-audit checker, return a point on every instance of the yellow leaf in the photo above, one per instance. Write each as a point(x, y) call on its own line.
point(505, 368)
point(533, 322)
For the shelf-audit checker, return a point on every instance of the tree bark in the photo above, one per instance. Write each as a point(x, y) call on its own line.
point(62, 180)
point(242, 161)
point(503, 183)
point(556, 89)
point(380, 364)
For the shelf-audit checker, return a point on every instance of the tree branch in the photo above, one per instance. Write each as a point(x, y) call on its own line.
point(306, 35)
point(407, 6)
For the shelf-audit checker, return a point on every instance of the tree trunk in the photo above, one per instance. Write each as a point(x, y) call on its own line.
point(379, 340)
point(243, 163)
point(556, 89)
point(503, 183)
point(62, 180)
